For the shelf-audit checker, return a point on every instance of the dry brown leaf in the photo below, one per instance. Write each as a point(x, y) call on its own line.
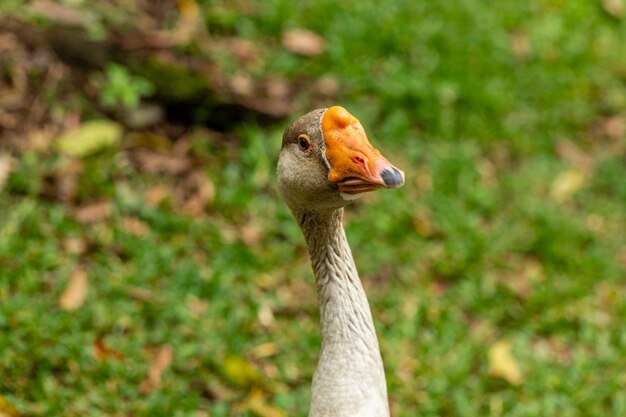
point(488, 172)
point(140, 294)
point(622, 258)
point(13, 91)
point(161, 361)
point(327, 86)
point(423, 179)
point(92, 212)
point(181, 147)
point(520, 45)
point(303, 42)
point(562, 350)
point(522, 280)
point(195, 191)
point(194, 206)
point(270, 370)
point(266, 315)
point(135, 227)
point(104, 353)
point(62, 14)
point(196, 305)
point(75, 293)
point(277, 88)
point(552, 349)
point(74, 245)
point(481, 329)
point(502, 364)
point(6, 165)
point(614, 127)
point(63, 183)
point(614, 7)
point(160, 163)
point(42, 139)
point(572, 153)
point(595, 223)
point(251, 234)
point(242, 85)
point(567, 184)
point(156, 194)
point(8, 42)
point(423, 224)
point(7, 120)
point(272, 107)
point(407, 366)
point(244, 50)
point(67, 180)
point(265, 350)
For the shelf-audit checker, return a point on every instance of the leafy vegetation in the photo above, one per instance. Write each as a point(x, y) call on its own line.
point(162, 275)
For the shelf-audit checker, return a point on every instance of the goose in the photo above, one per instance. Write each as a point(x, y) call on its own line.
point(326, 161)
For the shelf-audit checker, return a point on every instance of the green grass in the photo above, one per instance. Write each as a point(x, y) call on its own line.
point(479, 246)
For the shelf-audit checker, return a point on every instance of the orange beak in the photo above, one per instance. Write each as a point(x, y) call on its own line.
point(355, 165)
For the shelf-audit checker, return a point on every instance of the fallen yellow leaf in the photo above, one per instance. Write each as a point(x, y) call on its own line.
point(7, 409)
point(239, 371)
point(189, 21)
point(75, 292)
point(567, 184)
point(502, 364)
point(257, 403)
point(90, 137)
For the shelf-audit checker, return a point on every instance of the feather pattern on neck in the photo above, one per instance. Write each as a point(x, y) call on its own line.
point(349, 380)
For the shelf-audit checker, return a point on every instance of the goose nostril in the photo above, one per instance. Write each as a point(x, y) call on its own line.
point(392, 177)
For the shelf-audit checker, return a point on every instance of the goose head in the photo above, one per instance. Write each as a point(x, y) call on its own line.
point(326, 160)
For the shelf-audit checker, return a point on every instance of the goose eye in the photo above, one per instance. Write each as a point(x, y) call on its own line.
point(304, 142)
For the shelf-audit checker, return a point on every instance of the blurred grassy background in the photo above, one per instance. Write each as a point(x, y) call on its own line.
point(148, 266)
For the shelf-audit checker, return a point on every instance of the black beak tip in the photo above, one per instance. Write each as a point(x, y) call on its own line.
point(392, 177)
